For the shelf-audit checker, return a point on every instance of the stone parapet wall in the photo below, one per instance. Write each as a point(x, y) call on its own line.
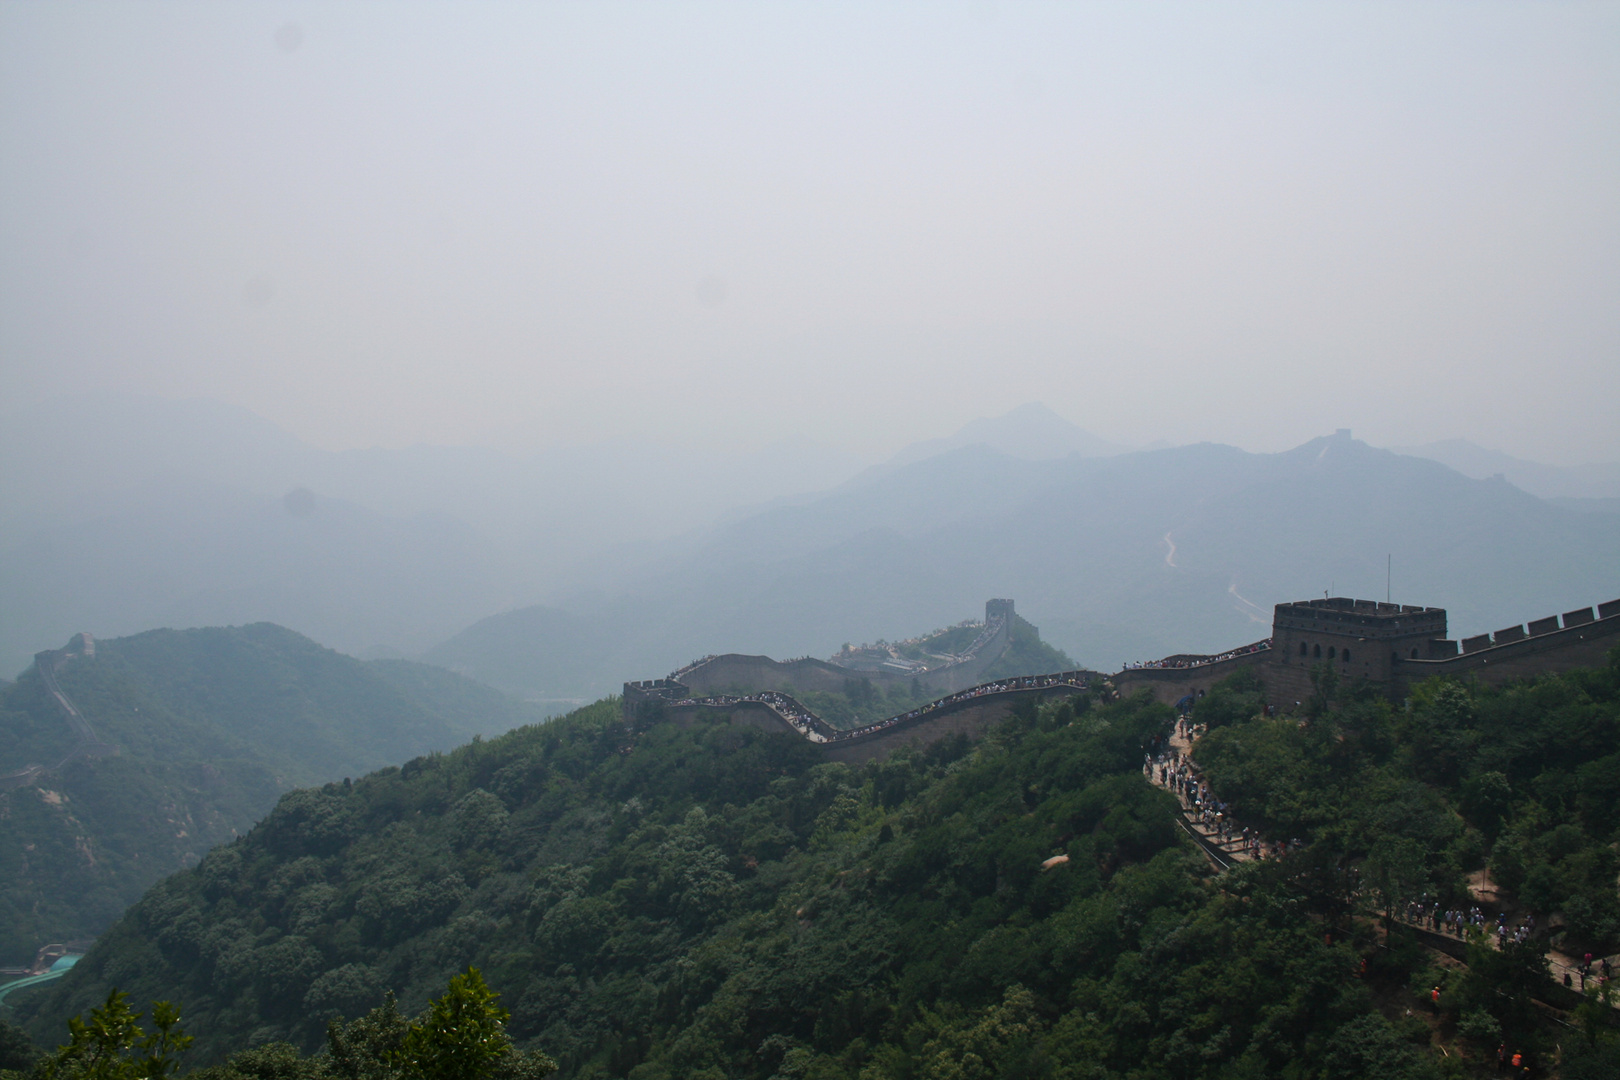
point(737, 671)
point(970, 717)
point(1382, 631)
point(1515, 656)
point(1169, 685)
point(971, 720)
point(754, 714)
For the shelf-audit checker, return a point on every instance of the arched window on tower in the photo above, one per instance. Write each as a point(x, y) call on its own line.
point(1394, 657)
point(1332, 652)
point(1347, 656)
point(1414, 654)
point(1317, 652)
point(1304, 649)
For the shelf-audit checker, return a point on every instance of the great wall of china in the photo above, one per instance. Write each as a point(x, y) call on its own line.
point(733, 672)
point(85, 741)
point(1393, 646)
point(758, 691)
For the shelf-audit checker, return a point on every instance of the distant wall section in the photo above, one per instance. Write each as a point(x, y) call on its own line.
point(1393, 646)
point(741, 673)
point(968, 717)
point(1170, 685)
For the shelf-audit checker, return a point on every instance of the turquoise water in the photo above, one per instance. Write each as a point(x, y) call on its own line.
point(58, 969)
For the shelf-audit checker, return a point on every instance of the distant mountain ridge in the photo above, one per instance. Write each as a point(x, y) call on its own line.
point(124, 512)
point(1128, 557)
point(1032, 432)
point(1598, 480)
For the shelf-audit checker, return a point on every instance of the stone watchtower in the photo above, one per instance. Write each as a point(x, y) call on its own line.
point(1003, 608)
point(1358, 639)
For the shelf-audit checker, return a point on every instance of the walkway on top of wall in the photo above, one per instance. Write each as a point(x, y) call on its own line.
point(807, 723)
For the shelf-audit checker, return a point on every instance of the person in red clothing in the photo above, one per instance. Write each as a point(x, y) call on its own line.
point(1434, 1000)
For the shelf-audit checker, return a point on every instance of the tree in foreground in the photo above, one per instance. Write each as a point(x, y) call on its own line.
point(461, 1036)
point(110, 1044)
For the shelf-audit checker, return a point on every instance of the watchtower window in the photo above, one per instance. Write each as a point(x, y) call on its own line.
point(1332, 652)
point(1347, 656)
point(1304, 649)
point(1317, 652)
point(1414, 654)
point(1394, 657)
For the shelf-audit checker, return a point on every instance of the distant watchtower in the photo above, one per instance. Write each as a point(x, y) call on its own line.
point(1356, 638)
point(998, 609)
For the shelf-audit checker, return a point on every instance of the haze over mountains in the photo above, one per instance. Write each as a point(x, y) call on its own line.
point(1129, 557)
point(1593, 486)
point(122, 513)
point(209, 727)
point(560, 575)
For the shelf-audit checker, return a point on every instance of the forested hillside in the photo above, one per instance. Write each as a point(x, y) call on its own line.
point(210, 727)
point(717, 901)
point(1522, 782)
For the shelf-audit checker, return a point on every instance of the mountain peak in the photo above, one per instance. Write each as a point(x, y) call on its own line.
point(1032, 431)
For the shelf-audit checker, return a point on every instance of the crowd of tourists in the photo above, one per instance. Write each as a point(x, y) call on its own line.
point(1000, 686)
point(1173, 768)
point(1455, 921)
point(679, 673)
point(808, 723)
point(1173, 662)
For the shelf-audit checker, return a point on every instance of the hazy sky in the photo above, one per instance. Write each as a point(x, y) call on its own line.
point(526, 224)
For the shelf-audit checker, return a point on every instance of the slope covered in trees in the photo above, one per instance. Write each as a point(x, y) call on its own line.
point(1521, 781)
point(717, 901)
point(211, 726)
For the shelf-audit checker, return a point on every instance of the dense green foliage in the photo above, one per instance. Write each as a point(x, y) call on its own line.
point(1522, 779)
point(460, 1036)
point(108, 1043)
point(211, 726)
point(17, 1051)
point(1236, 698)
point(718, 901)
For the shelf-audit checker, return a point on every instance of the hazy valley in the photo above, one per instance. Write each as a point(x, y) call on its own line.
point(558, 577)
